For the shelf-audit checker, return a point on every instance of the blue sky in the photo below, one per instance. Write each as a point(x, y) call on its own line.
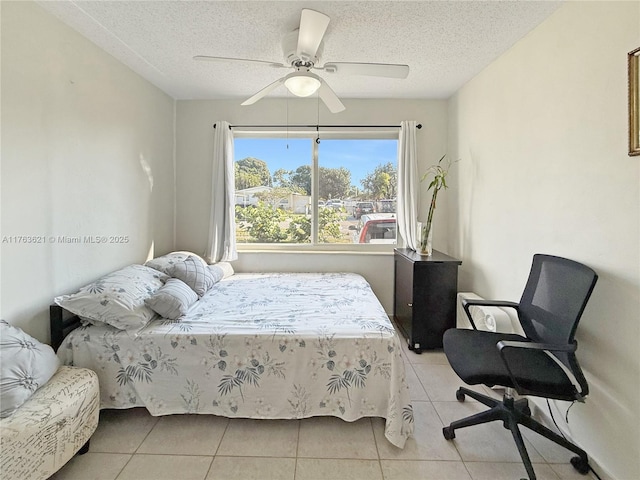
point(359, 156)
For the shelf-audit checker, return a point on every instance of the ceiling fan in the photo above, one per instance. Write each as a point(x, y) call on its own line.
point(302, 49)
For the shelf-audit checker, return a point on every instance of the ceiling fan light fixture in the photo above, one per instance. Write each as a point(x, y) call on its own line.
point(302, 84)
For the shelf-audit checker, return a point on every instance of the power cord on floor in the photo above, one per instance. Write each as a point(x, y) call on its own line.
point(566, 418)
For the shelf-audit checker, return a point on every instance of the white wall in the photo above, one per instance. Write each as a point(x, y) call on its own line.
point(542, 134)
point(194, 147)
point(87, 150)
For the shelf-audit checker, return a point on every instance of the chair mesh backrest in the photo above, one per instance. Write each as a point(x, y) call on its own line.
point(554, 298)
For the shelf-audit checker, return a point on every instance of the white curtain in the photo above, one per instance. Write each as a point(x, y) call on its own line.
point(222, 226)
point(408, 184)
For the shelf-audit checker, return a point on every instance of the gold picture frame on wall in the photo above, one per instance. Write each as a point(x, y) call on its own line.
point(633, 59)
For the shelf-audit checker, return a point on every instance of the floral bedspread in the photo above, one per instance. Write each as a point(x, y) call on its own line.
point(268, 346)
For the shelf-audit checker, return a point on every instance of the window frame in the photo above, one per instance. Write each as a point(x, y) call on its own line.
point(315, 134)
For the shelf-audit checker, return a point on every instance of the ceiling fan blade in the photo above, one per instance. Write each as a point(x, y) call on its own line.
point(330, 99)
point(265, 91)
point(389, 70)
point(313, 26)
point(208, 58)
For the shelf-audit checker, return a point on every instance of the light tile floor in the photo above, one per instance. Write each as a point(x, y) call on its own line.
point(133, 445)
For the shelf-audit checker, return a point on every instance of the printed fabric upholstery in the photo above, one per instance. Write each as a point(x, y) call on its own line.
point(49, 428)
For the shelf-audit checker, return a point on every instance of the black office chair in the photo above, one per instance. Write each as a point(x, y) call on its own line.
point(541, 364)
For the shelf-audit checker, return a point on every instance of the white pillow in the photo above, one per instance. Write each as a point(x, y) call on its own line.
point(117, 298)
point(165, 262)
point(221, 270)
point(173, 299)
point(25, 365)
point(193, 273)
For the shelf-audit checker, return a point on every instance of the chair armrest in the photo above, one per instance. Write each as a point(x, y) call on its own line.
point(470, 302)
point(536, 346)
point(505, 344)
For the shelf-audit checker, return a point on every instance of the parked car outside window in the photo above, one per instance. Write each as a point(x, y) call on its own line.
point(375, 228)
point(386, 206)
point(362, 208)
point(335, 204)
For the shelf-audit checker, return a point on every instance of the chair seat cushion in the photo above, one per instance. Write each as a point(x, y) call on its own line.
point(474, 356)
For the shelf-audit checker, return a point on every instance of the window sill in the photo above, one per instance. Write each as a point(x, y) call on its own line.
point(318, 249)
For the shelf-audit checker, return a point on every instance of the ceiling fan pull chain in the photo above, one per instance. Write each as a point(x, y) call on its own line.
point(318, 119)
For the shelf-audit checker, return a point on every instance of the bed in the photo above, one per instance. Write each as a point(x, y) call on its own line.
point(260, 345)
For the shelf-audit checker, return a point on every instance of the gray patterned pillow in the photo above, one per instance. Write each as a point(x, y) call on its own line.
point(173, 300)
point(25, 365)
point(193, 273)
point(165, 262)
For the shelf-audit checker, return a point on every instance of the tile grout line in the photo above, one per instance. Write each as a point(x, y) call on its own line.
point(420, 382)
point(226, 427)
point(295, 465)
point(375, 442)
point(136, 449)
point(133, 454)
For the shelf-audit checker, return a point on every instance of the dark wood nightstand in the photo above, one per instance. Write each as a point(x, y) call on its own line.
point(424, 297)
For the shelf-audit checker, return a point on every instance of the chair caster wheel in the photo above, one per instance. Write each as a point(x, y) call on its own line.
point(460, 396)
point(582, 466)
point(448, 433)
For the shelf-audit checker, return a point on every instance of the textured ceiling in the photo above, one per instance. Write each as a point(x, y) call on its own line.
point(445, 43)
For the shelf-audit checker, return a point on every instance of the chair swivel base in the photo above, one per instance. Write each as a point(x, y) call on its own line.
point(513, 413)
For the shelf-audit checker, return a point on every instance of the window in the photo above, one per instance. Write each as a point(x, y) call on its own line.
point(294, 189)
